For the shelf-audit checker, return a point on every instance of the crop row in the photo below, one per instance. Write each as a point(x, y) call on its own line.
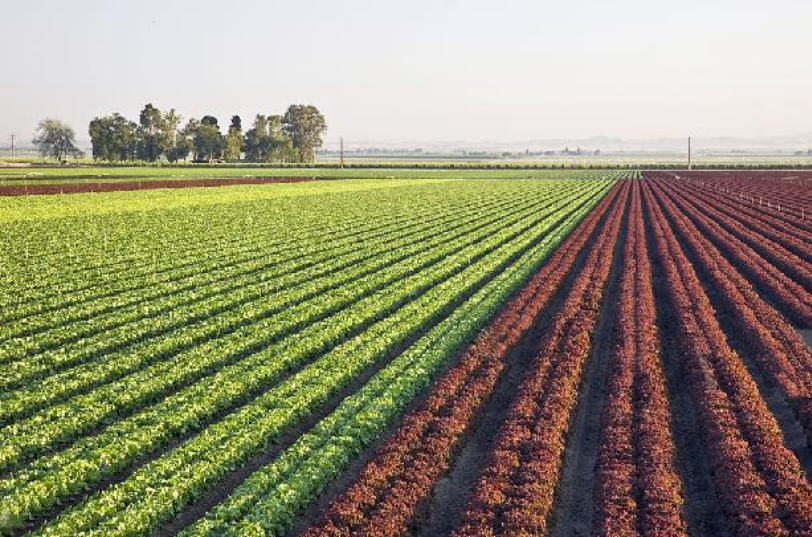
point(290, 308)
point(792, 239)
point(784, 259)
point(393, 484)
point(158, 489)
point(792, 185)
point(207, 352)
point(767, 195)
point(208, 265)
point(723, 273)
point(216, 255)
point(775, 346)
point(144, 266)
point(515, 490)
point(211, 267)
point(761, 484)
point(271, 498)
point(759, 481)
point(85, 187)
point(791, 296)
point(98, 237)
point(384, 321)
point(230, 297)
point(104, 244)
point(637, 486)
point(754, 242)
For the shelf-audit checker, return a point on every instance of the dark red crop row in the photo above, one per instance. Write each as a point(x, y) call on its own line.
point(401, 475)
point(789, 295)
point(720, 267)
point(776, 347)
point(770, 194)
point(776, 195)
point(759, 480)
point(783, 230)
point(791, 184)
point(745, 231)
point(768, 198)
point(638, 488)
point(796, 241)
point(741, 200)
point(515, 491)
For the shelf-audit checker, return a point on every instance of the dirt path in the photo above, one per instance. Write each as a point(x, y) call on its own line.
point(806, 335)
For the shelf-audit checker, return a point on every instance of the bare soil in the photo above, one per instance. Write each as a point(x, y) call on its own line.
point(806, 335)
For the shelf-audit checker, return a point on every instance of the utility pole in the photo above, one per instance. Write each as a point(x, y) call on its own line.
point(689, 153)
point(341, 151)
point(13, 136)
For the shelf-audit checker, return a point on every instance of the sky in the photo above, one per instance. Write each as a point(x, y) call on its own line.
point(420, 70)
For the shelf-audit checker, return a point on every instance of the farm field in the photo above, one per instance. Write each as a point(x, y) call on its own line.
point(170, 338)
point(11, 179)
point(16, 177)
point(51, 181)
point(577, 352)
point(651, 379)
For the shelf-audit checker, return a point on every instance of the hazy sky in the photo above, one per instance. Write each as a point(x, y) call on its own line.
point(418, 69)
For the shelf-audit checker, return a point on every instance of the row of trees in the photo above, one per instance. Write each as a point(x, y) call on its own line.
point(292, 137)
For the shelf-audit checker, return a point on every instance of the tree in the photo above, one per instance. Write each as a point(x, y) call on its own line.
point(257, 141)
point(234, 140)
point(171, 144)
point(236, 123)
point(206, 138)
point(151, 122)
point(305, 126)
point(184, 144)
point(281, 145)
point(113, 138)
point(56, 139)
point(267, 141)
point(186, 139)
point(292, 137)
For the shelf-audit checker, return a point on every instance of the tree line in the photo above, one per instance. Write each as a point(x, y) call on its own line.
point(291, 137)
